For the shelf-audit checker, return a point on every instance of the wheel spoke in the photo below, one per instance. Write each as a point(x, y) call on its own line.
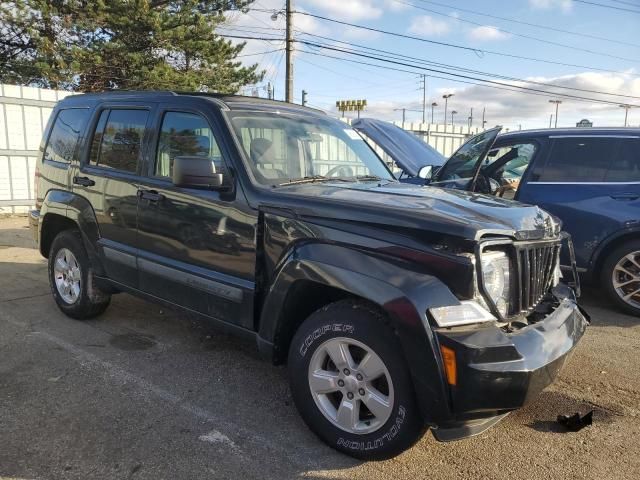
point(74, 290)
point(61, 264)
point(620, 268)
point(631, 294)
point(377, 402)
point(75, 274)
point(632, 258)
point(618, 284)
point(322, 381)
point(348, 414)
point(339, 354)
point(371, 366)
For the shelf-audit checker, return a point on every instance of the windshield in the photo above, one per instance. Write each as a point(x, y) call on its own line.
point(281, 148)
point(463, 163)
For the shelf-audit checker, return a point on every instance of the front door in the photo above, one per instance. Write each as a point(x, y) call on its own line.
point(108, 177)
point(197, 246)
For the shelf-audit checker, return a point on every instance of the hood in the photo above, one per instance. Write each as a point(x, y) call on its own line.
point(451, 212)
point(408, 151)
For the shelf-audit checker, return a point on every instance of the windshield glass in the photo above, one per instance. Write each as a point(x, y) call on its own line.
point(283, 147)
point(463, 163)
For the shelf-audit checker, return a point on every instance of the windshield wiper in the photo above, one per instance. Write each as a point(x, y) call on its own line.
point(313, 179)
point(368, 178)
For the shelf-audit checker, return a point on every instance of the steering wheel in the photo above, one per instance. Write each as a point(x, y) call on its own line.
point(332, 172)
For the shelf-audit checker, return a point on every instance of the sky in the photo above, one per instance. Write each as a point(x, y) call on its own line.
point(598, 50)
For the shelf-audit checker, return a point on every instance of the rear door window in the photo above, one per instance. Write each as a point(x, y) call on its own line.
point(625, 164)
point(579, 159)
point(117, 142)
point(65, 134)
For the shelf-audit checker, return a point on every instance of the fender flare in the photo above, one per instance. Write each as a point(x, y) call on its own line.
point(77, 209)
point(389, 284)
point(599, 254)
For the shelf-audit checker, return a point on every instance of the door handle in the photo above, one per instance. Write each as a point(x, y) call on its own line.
point(84, 181)
point(151, 195)
point(625, 196)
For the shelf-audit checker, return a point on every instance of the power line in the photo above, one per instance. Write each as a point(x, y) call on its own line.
point(462, 47)
point(613, 7)
point(522, 35)
point(393, 55)
point(529, 24)
point(565, 95)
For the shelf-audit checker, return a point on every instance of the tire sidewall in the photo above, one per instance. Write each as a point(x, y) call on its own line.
point(404, 425)
point(607, 273)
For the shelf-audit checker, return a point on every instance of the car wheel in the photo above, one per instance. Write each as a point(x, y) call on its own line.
point(621, 276)
point(71, 278)
point(351, 384)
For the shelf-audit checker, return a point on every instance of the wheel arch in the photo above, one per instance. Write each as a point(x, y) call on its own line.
point(607, 245)
point(315, 275)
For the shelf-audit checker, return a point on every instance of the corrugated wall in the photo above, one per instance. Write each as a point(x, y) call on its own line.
point(24, 112)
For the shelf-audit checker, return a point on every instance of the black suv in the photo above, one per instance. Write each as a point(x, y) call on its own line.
point(397, 308)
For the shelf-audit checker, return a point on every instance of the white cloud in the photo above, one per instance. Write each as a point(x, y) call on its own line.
point(426, 25)
point(564, 5)
point(487, 33)
point(348, 10)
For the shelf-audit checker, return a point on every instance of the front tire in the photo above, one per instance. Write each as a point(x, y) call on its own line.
point(620, 277)
point(350, 382)
point(71, 278)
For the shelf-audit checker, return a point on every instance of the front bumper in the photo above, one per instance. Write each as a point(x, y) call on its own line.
point(498, 372)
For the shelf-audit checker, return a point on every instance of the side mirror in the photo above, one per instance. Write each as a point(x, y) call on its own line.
point(195, 172)
point(425, 172)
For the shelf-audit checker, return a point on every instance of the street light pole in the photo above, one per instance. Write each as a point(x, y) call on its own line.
point(557, 102)
point(433, 104)
point(453, 112)
point(289, 53)
point(626, 113)
point(424, 98)
point(446, 100)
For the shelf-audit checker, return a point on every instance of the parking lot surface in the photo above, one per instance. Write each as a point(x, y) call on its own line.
point(143, 392)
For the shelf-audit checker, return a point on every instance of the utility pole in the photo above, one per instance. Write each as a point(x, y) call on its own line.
point(424, 97)
point(453, 112)
point(557, 102)
point(404, 114)
point(269, 91)
point(304, 98)
point(289, 53)
point(626, 113)
point(433, 104)
point(471, 118)
point(550, 120)
point(446, 100)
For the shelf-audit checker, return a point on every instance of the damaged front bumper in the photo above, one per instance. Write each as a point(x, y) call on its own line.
point(500, 371)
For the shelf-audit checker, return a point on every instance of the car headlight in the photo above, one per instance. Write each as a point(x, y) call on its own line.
point(495, 275)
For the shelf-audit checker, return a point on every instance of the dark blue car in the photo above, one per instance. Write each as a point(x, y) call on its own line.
point(588, 177)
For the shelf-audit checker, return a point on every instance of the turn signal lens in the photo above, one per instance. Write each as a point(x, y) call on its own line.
point(450, 367)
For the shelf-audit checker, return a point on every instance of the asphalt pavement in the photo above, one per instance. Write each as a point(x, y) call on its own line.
point(147, 393)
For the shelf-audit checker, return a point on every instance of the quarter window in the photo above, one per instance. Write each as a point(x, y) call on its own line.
point(584, 159)
point(117, 142)
point(65, 134)
point(185, 134)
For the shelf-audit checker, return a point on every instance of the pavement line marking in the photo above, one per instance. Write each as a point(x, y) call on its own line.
point(124, 376)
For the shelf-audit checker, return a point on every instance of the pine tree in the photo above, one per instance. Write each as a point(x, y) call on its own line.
point(124, 44)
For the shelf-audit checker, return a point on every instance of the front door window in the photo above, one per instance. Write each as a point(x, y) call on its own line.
point(504, 167)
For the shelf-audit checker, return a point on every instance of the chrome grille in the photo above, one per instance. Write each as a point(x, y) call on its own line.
point(535, 268)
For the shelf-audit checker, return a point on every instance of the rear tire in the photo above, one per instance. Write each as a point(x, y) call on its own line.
point(620, 277)
point(71, 278)
point(363, 403)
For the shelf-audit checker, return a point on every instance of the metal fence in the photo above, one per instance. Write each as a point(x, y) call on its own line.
point(24, 112)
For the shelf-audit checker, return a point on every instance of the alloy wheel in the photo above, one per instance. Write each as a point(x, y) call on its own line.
point(626, 279)
point(351, 385)
point(67, 276)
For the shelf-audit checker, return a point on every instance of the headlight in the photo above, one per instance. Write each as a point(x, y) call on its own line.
point(495, 275)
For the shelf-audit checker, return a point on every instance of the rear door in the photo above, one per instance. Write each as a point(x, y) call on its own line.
point(109, 176)
point(592, 183)
point(197, 246)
